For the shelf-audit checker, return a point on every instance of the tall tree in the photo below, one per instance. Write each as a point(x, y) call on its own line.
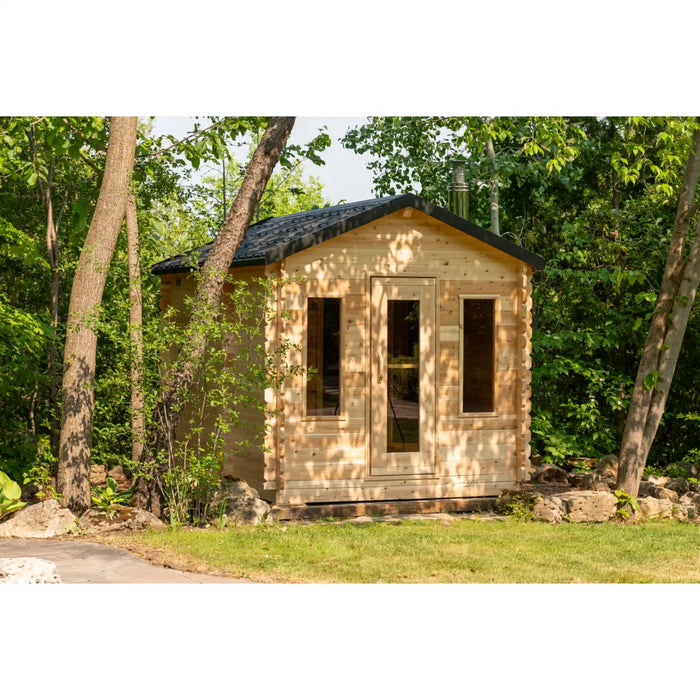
point(138, 422)
point(666, 331)
point(83, 314)
point(51, 162)
point(209, 289)
point(53, 224)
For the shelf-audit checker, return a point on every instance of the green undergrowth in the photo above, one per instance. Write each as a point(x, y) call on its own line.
point(457, 551)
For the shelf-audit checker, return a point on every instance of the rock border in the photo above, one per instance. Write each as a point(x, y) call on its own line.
point(556, 495)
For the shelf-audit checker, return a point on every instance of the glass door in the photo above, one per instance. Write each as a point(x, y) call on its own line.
point(403, 376)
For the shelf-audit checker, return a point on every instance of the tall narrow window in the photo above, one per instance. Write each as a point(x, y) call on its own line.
point(403, 371)
point(323, 357)
point(478, 355)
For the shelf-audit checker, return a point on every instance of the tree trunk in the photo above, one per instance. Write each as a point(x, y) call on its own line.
point(662, 346)
point(75, 445)
point(491, 153)
point(46, 190)
point(208, 293)
point(53, 364)
point(138, 429)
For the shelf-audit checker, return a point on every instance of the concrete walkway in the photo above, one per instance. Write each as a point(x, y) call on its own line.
point(87, 562)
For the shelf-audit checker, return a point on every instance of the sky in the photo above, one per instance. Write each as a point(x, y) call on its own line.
point(344, 176)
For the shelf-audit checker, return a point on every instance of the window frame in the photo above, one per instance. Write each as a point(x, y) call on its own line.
point(341, 359)
point(496, 323)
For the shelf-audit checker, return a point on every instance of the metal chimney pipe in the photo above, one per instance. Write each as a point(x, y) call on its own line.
point(458, 190)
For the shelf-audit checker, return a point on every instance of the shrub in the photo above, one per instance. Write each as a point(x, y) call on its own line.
point(105, 498)
point(229, 387)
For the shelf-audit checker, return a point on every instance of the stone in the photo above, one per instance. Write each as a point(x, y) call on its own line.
point(644, 489)
point(98, 475)
point(680, 486)
point(242, 505)
point(576, 479)
point(123, 481)
point(607, 467)
point(589, 480)
point(664, 493)
point(550, 474)
point(247, 511)
point(41, 520)
point(29, 492)
point(588, 506)
point(362, 519)
point(690, 499)
point(548, 508)
point(28, 570)
point(682, 513)
point(232, 489)
point(656, 480)
point(651, 508)
point(122, 518)
point(601, 487)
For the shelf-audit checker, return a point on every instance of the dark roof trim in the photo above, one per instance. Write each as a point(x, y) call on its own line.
point(371, 213)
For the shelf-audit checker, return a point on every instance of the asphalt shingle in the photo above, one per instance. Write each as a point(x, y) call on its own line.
point(276, 238)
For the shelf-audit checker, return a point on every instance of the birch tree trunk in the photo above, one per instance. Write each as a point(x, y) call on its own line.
point(75, 445)
point(138, 426)
point(208, 294)
point(662, 347)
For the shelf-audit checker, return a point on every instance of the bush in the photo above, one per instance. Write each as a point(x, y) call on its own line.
point(232, 377)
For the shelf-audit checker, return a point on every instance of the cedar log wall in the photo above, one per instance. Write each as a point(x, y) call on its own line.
point(326, 459)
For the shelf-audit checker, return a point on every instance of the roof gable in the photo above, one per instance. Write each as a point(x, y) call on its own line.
point(273, 239)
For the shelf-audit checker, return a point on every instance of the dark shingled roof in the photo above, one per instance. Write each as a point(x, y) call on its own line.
point(279, 237)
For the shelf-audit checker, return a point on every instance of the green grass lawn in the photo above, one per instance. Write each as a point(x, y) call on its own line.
point(434, 551)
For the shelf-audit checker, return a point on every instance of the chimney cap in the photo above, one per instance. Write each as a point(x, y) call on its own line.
point(458, 170)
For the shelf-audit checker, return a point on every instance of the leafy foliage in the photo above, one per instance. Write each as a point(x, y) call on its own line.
point(625, 503)
point(227, 395)
point(519, 506)
point(10, 493)
point(64, 156)
point(105, 498)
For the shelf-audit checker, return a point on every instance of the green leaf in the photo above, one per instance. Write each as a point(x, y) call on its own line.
point(650, 380)
point(8, 488)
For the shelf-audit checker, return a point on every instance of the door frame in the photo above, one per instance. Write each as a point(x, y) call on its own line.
point(423, 461)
